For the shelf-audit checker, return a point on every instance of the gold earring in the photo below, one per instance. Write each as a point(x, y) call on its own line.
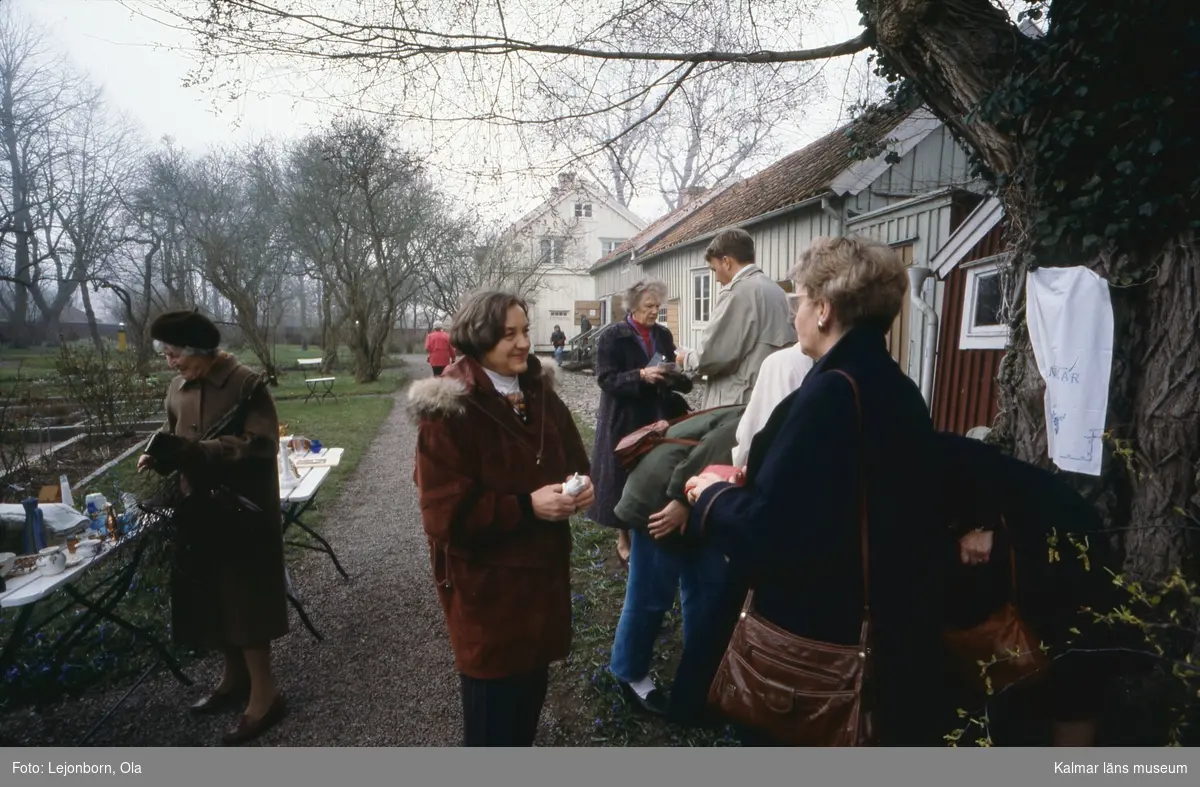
point(820, 325)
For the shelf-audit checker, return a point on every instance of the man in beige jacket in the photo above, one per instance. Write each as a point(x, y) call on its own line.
point(751, 320)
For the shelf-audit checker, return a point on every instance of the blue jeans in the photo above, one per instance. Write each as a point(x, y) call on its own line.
point(654, 576)
point(558, 354)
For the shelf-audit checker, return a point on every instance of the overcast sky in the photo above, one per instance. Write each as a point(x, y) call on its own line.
point(142, 65)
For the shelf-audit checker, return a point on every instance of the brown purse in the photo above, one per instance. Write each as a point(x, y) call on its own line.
point(799, 691)
point(633, 446)
point(1003, 636)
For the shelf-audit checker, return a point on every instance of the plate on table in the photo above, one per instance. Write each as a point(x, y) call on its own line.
point(75, 559)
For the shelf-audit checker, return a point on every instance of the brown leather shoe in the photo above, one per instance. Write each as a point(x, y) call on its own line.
point(220, 702)
point(248, 729)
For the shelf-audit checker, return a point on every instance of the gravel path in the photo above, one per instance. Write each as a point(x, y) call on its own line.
point(383, 676)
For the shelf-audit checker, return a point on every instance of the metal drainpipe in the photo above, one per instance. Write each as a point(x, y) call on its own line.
point(917, 276)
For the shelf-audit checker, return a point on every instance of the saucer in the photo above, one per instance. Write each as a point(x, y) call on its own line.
point(75, 559)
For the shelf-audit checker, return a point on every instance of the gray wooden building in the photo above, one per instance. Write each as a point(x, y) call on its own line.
point(903, 192)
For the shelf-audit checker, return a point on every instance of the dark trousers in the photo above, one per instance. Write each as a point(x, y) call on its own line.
point(503, 711)
point(437, 370)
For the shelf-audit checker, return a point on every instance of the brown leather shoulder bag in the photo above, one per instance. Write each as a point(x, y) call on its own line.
point(799, 691)
point(1005, 637)
point(633, 446)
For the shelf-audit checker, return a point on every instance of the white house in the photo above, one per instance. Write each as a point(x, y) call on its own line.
point(561, 238)
point(910, 190)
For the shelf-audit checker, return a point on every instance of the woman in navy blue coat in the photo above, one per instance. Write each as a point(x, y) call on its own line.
point(793, 529)
point(633, 391)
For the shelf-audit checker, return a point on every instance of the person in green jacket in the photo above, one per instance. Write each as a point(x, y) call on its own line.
point(654, 505)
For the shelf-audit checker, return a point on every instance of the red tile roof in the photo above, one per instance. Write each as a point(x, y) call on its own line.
point(798, 177)
point(657, 227)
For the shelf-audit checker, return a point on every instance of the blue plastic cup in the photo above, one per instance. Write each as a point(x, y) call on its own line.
point(315, 446)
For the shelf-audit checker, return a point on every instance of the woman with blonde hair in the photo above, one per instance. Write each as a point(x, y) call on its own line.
point(853, 441)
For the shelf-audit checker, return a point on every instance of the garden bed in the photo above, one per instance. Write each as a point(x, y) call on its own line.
point(76, 458)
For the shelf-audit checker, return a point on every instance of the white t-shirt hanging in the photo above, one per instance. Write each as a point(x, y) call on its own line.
point(1070, 322)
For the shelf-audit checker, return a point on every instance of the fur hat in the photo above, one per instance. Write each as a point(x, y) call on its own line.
point(186, 329)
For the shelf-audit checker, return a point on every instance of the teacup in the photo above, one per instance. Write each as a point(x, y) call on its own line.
point(51, 561)
point(6, 562)
point(88, 547)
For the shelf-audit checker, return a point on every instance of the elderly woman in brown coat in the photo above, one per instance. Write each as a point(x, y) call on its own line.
point(495, 448)
point(228, 587)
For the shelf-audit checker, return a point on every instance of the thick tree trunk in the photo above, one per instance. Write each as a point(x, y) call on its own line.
point(958, 55)
point(1148, 491)
point(961, 56)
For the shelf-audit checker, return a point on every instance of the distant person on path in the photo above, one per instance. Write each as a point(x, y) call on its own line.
point(750, 321)
point(559, 340)
point(439, 350)
point(228, 586)
point(495, 450)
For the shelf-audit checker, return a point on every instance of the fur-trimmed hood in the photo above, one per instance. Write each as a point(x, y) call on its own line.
point(446, 396)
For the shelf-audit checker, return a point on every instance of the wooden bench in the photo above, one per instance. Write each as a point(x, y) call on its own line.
point(313, 382)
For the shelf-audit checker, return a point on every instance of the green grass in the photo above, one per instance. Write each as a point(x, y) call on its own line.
point(108, 656)
point(592, 710)
point(292, 385)
point(286, 356)
point(35, 371)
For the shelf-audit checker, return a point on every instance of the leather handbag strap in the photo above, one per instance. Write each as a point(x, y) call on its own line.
point(862, 517)
point(679, 441)
point(1012, 559)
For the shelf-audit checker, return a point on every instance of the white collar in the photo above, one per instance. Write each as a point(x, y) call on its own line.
point(739, 274)
point(503, 384)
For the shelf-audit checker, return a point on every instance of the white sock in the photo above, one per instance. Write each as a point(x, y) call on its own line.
point(643, 687)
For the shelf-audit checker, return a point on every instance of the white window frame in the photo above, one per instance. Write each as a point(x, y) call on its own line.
point(609, 245)
point(697, 273)
point(560, 314)
point(662, 315)
point(583, 210)
point(556, 255)
point(990, 337)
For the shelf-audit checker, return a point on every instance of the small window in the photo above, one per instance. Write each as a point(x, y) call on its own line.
point(701, 295)
point(609, 245)
point(984, 307)
point(551, 250)
point(559, 312)
point(662, 315)
point(583, 210)
point(988, 301)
